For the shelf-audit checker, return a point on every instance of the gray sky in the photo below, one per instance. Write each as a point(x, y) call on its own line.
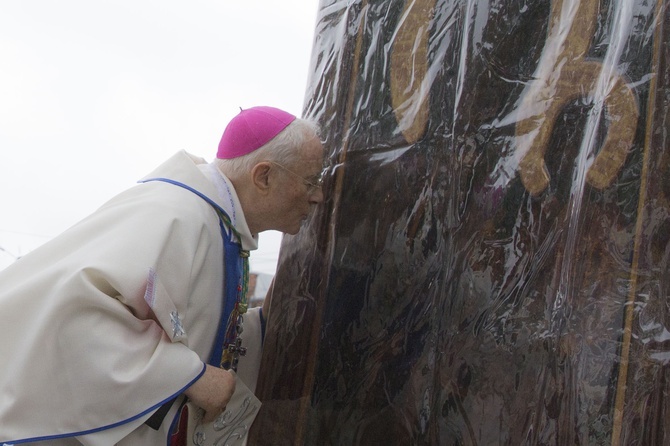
point(95, 93)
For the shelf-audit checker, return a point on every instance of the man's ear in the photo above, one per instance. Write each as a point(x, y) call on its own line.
point(260, 176)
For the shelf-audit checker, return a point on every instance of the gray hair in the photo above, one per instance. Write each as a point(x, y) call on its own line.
point(280, 149)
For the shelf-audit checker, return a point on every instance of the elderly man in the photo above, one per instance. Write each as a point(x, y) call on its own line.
point(112, 325)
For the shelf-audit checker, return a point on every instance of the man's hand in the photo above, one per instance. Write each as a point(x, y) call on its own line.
point(212, 391)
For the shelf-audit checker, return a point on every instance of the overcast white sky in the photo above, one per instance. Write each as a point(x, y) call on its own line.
point(95, 93)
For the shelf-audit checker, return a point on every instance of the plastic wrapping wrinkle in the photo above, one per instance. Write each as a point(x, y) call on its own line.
point(490, 265)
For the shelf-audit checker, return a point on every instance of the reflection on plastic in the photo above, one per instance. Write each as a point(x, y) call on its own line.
point(491, 262)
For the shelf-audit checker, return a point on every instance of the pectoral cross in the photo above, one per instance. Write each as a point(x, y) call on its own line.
point(236, 350)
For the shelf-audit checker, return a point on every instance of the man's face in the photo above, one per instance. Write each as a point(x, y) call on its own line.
point(299, 188)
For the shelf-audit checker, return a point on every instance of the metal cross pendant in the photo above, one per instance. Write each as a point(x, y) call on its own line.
point(236, 350)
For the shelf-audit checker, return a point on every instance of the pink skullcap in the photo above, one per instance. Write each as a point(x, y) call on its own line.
point(251, 129)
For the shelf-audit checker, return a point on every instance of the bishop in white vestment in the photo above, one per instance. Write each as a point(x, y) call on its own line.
point(113, 320)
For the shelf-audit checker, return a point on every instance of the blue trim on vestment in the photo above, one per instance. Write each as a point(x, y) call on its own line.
point(110, 426)
point(187, 187)
point(233, 270)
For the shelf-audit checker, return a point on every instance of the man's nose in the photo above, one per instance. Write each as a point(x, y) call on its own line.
point(316, 196)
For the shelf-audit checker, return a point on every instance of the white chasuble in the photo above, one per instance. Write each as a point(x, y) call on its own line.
point(116, 316)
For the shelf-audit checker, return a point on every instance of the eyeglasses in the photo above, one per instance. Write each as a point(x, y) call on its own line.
point(314, 182)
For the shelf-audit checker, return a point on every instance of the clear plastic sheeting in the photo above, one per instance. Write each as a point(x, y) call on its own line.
point(491, 263)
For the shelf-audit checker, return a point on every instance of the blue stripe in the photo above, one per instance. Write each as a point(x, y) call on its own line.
point(233, 267)
point(187, 187)
point(110, 426)
point(233, 271)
